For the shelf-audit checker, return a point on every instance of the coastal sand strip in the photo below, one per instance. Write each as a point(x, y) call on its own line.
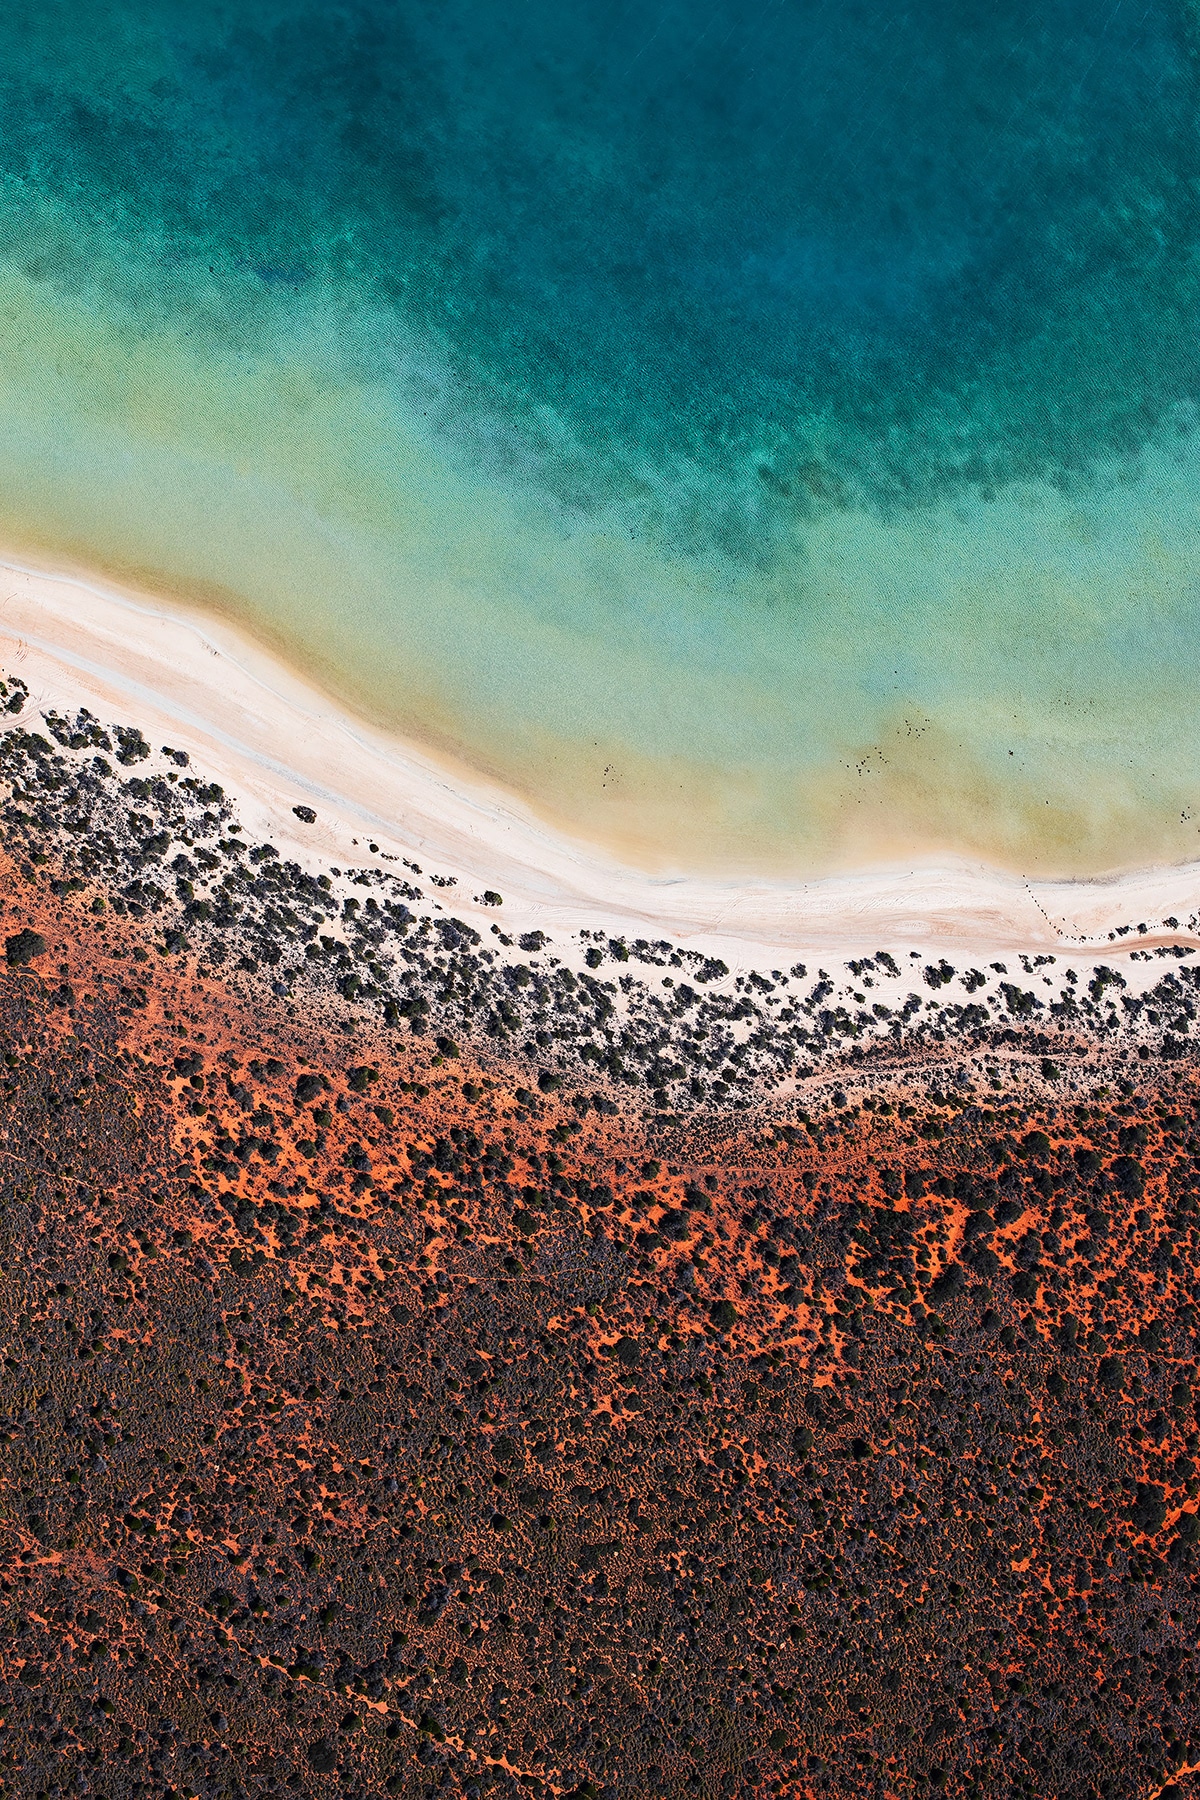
point(275, 740)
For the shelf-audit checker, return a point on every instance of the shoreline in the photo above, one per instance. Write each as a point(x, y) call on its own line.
point(273, 737)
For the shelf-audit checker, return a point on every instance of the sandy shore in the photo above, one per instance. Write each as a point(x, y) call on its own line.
point(274, 740)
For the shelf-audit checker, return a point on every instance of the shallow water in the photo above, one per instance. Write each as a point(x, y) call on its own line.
point(762, 438)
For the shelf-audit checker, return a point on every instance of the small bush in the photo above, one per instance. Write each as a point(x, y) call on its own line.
point(1131, 1177)
point(1111, 1374)
point(23, 947)
point(1149, 1510)
point(321, 1756)
point(950, 1282)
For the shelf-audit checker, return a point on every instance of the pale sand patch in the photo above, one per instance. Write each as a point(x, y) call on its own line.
point(272, 740)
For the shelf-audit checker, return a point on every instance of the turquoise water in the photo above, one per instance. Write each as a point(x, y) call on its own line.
point(762, 436)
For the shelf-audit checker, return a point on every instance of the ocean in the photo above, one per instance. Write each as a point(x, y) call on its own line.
point(763, 438)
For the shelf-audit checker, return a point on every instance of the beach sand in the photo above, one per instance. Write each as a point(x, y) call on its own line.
point(276, 741)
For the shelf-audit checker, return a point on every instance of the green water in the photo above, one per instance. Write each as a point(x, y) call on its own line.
point(761, 439)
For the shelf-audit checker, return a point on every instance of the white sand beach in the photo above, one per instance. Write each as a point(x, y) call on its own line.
point(273, 740)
